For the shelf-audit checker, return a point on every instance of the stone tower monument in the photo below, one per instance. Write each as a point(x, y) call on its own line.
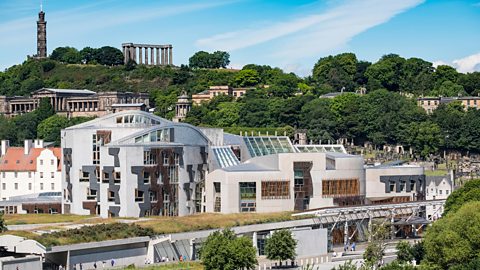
point(182, 107)
point(41, 35)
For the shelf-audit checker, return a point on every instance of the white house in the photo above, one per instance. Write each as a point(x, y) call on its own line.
point(438, 188)
point(29, 169)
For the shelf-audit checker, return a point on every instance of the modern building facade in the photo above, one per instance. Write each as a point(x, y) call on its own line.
point(74, 102)
point(29, 169)
point(133, 163)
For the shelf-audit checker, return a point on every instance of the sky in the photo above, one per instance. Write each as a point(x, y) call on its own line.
point(290, 34)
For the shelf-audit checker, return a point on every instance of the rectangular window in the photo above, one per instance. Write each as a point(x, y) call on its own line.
point(41, 186)
point(52, 175)
point(4, 186)
point(41, 161)
point(166, 159)
point(41, 174)
point(16, 186)
point(84, 176)
point(52, 162)
point(440, 192)
point(146, 177)
point(149, 158)
point(340, 187)
point(29, 174)
point(52, 185)
point(298, 176)
point(117, 178)
point(248, 196)
point(391, 186)
point(91, 194)
point(106, 177)
point(111, 196)
point(16, 174)
point(152, 195)
point(447, 191)
point(3, 174)
point(176, 159)
point(275, 190)
point(29, 186)
point(412, 185)
point(402, 186)
point(173, 174)
point(138, 195)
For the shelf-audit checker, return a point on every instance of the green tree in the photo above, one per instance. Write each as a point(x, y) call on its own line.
point(67, 55)
point(108, 56)
point(204, 59)
point(348, 265)
point(224, 251)
point(453, 240)
point(404, 252)
point(44, 110)
point(220, 59)
point(246, 77)
point(468, 193)
point(386, 73)
point(448, 89)
point(3, 225)
point(425, 137)
point(339, 71)
point(88, 55)
point(49, 129)
point(280, 246)
point(376, 245)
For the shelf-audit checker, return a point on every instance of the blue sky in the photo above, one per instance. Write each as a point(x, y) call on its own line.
point(292, 35)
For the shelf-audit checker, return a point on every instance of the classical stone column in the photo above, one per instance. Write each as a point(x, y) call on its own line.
point(152, 60)
point(134, 49)
point(125, 60)
point(140, 55)
point(146, 55)
point(163, 56)
point(170, 57)
point(158, 56)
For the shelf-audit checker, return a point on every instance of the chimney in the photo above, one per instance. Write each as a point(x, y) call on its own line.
point(5, 146)
point(27, 146)
point(38, 143)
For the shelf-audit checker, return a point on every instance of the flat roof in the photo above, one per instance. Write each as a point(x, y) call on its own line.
point(91, 245)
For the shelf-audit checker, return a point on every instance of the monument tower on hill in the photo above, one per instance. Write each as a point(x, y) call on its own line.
point(41, 35)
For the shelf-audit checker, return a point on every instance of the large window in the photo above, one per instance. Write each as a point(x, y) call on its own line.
point(298, 176)
point(340, 187)
point(149, 158)
point(248, 196)
point(275, 190)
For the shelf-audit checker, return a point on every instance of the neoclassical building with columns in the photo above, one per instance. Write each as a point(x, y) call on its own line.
point(74, 102)
point(148, 54)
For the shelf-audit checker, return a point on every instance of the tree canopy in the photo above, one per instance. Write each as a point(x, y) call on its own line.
point(204, 59)
point(280, 246)
point(224, 251)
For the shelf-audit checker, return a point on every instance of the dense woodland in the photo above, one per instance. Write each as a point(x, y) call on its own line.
point(387, 114)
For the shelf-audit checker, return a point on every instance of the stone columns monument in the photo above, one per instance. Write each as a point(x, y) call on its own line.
point(160, 55)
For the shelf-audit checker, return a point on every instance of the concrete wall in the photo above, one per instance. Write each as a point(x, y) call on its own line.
point(310, 242)
point(25, 263)
point(122, 255)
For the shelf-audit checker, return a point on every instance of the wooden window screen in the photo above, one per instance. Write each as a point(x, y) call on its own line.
point(340, 187)
point(275, 190)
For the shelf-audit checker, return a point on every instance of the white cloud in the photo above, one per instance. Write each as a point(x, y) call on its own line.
point(311, 35)
point(466, 64)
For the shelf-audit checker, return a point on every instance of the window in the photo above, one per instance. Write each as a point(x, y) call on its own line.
point(16, 186)
point(29, 174)
point(165, 158)
point(149, 158)
point(340, 187)
point(52, 185)
point(391, 186)
point(440, 192)
point(111, 196)
point(176, 159)
point(41, 186)
point(41, 161)
point(91, 194)
point(106, 177)
point(412, 185)
point(138, 195)
point(52, 175)
point(117, 178)
point(4, 186)
point(29, 186)
point(173, 174)
point(84, 176)
point(275, 190)
point(248, 196)
point(152, 196)
point(447, 191)
point(3, 174)
point(402, 186)
point(146, 177)
point(15, 174)
point(52, 162)
point(41, 174)
point(298, 176)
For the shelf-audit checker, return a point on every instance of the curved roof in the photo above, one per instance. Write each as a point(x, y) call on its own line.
point(170, 124)
point(109, 120)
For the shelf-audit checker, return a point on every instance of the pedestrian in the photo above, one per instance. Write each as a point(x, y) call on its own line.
point(103, 264)
point(354, 246)
point(81, 266)
point(113, 262)
point(345, 248)
point(95, 265)
point(334, 254)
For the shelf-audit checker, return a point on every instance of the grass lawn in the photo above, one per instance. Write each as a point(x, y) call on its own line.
point(19, 219)
point(166, 225)
point(437, 172)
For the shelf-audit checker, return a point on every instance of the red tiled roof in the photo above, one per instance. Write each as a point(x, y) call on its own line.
point(16, 160)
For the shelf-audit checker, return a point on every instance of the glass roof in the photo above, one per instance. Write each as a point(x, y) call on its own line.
point(225, 156)
point(261, 146)
point(321, 148)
